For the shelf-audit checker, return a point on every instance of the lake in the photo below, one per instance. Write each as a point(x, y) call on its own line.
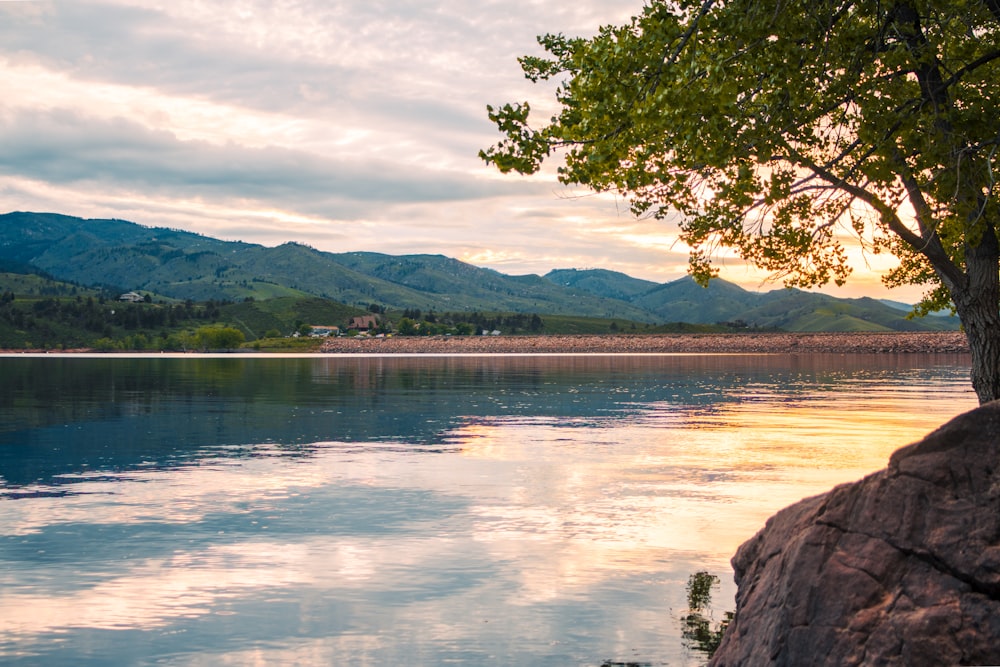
point(424, 510)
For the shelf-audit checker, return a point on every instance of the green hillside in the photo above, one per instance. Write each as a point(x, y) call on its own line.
point(285, 315)
point(182, 265)
point(609, 284)
point(685, 300)
point(462, 286)
point(795, 310)
point(116, 256)
point(37, 312)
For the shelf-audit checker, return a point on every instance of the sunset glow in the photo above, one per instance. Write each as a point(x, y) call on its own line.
point(347, 127)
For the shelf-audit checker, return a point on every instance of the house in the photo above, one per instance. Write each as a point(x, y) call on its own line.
point(132, 297)
point(323, 331)
point(363, 323)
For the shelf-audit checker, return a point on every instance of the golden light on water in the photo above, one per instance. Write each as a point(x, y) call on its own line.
point(702, 480)
point(576, 490)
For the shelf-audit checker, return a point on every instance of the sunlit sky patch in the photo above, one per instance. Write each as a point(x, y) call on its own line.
point(345, 125)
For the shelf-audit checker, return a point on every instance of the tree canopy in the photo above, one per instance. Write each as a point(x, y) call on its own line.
point(770, 126)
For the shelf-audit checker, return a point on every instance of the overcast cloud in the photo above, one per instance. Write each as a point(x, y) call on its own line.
point(350, 125)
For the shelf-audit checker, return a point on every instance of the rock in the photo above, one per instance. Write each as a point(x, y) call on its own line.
point(895, 342)
point(900, 568)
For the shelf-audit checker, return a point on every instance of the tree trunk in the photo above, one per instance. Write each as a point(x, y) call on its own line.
point(977, 303)
point(982, 329)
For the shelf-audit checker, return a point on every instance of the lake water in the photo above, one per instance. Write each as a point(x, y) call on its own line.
point(481, 510)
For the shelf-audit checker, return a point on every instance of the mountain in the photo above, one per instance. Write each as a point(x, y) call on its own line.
point(684, 300)
point(465, 287)
point(121, 255)
point(898, 305)
point(609, 284)
point(182, 265)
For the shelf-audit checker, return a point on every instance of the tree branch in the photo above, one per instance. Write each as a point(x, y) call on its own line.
point(927, 243)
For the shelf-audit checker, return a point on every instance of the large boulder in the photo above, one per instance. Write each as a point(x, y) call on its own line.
point(899, 568)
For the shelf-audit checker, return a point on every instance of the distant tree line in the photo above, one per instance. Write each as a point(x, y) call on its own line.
point(416, 323)
point(99, 314)
point(203, 339)
point(80, 321)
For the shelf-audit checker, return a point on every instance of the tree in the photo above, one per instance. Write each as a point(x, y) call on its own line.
point(699, 631)
point(218, 338)
point(769, 127)
point(407, 327)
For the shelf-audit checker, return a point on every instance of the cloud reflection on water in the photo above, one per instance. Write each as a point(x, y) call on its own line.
point(519, 536)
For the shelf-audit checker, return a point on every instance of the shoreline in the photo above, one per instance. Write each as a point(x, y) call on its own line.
point(945, 342)
point(749, 343)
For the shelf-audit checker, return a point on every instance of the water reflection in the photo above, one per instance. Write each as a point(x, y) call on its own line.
point(413, 511)
point(68, 415)
point(701, 631)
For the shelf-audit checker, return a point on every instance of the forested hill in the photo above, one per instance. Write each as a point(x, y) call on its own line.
point(169, 263)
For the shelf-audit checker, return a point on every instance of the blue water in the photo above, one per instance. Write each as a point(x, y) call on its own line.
point(494, 510)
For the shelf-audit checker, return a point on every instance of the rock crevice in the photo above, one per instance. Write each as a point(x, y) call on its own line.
point(990, 591)
point(899, 568)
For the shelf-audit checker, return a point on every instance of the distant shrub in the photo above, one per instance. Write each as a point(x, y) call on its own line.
point(218, 338)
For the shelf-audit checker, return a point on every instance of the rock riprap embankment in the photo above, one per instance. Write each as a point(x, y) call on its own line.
point(900, 568)
point(766, 343)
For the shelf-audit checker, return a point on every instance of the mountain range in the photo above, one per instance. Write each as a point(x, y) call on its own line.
point(170, 263)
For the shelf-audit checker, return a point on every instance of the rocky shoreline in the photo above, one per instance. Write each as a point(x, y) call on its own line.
point(922, 342)
point(899, 568)
point(757, 343)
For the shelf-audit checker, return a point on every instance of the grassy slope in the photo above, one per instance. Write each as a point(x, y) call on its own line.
point(255, 318)
point(188, 266)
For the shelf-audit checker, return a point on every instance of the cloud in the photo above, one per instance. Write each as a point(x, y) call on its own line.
point(64, 147)
point(353, 123)
point(341, 100)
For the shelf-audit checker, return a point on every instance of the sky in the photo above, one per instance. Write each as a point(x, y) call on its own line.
point(348, 125)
